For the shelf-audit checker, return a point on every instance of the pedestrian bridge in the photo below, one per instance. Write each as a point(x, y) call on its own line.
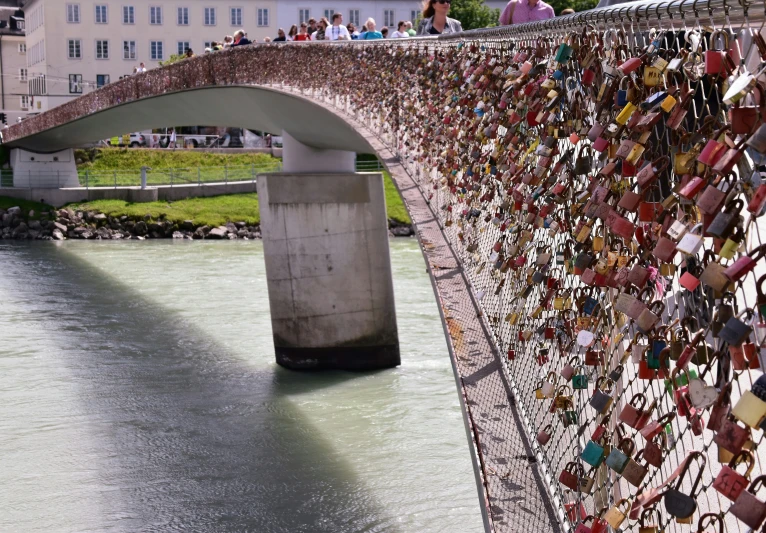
point(487, 136)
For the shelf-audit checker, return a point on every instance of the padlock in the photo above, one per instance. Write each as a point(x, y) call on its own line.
point(655, 427)
point(617, 514)
point(709, 520)
point(731, 483)
point(691, 242)
point(748, 508)
point(580, 379)
point(750, 409)
point(714, 58)
point(745, 264)
point(634, 411)
point(646, 525)
point(731, 436)
point(724, 222)
point(635, 472)
point(549, 385)
point(654, 451)
point(544, 435)
point(602, 397)
point(735, 332)
point(620, 455)
point(650, 316)
point(593, 453)
point(677, 503)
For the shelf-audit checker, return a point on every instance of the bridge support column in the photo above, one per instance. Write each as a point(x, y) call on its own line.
point(55, 170)
point(328, 268)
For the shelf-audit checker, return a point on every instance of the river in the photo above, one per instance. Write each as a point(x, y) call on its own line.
point(138, 392)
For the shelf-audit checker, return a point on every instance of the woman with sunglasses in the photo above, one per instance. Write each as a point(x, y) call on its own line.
point(435, 20)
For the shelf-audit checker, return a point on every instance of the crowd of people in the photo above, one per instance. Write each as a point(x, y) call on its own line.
point(324, 30)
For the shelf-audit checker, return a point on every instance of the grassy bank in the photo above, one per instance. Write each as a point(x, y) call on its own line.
point(121, 159)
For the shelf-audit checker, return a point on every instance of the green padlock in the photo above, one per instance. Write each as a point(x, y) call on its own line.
point(568, 418)
point(564, 53)
point(580, 379)
point(593, 454)
point(681, 380)
point(620, 455)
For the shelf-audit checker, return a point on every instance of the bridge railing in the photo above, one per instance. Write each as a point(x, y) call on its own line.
point(569, 164)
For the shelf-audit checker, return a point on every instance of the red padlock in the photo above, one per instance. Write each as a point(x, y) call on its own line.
point(731, 483)
point(745, 264)
point(755, 206)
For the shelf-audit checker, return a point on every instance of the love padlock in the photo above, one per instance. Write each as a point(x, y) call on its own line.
point(679, 504)
point(731, 483)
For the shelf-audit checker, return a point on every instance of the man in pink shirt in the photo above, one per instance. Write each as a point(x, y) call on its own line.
point(520, 11)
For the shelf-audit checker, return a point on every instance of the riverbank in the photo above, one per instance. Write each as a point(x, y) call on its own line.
point(218, 217)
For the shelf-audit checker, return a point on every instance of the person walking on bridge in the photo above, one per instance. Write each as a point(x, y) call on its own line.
point(520, 11)
point(435, 20)
point(337, 32)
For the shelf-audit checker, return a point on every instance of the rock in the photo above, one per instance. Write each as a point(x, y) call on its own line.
point(218, 233)
point(104, 233)
point(187, 225)
point(253, 235)
point(34, 234)
point(240, 225)
point(402, 231)
point(79, 230)
point(57, 235)
point(155, 227)
point(7, 220)
point(242, 233)
point(21, 228)
point(157, 235)
point(35, 225)
point(232, 236)
point(62, 213)
point(140, 228)
point(14, 211)
point(231, 227)
point(31, 213)
point(178, 235)
point(99, 218)
point(140, 238)
point(61, 227)
point(87, 234)
point(199, 233)
point(188, 237)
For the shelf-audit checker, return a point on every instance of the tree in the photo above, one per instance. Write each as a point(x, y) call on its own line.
point(473, 14)
point(578, 5)
point(175, 58)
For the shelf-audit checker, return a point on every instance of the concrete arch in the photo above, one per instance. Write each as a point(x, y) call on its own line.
point(246, 106)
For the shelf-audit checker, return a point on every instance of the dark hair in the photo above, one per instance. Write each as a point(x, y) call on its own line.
point(428, 9)
point(401, 23)
point(336, 16)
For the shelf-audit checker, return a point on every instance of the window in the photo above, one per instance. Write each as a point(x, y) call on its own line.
point(414, 15)
point(101, 80)
point(263, 17)
point(155, 15)
point(101, 15)
point(388, 17)
point(102, 49)
point(303, 16)
point(328, 13)
point(37, 85)
point(209, 16)
point(25, 102)
point(183, 46)
point(22, 48)
point(23, 74)
point(128, 15)
point(236, 16)
point(128, 49)
point(208, 44)
point(75, 48)
point(75, 83)
point(183, 16)
point(353, 17)
point(155, 50)
point(73, 13)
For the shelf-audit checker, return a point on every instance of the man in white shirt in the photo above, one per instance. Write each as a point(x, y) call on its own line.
point(142, 68)
point(337, 32)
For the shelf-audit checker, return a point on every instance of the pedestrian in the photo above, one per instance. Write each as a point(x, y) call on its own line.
point(352, 30)
point(401, 31)
point(337, 32)
point(567, 11)
point(520, 11)
point(141, 68)
point(435, 20)
point(227, 41)
point(281, 37)
point(189, 53)
point(370, 33)
point(319, 35)
point(384, 32)
point(240, 39)
point(312, 27)
point(172, 141)
point(135, 71)
point(410, 31)
point(302, 34)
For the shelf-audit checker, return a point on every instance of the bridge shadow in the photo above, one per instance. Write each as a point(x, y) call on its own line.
point(193, 438)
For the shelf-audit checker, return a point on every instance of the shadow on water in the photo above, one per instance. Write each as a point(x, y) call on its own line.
point(195, 439)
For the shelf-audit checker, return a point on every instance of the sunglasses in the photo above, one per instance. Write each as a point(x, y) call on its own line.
point(442, 1)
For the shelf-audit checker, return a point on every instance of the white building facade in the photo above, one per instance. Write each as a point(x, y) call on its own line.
point(75, 46)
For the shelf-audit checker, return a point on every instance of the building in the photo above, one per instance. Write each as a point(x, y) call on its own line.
point(76, 46)
point(14, 101)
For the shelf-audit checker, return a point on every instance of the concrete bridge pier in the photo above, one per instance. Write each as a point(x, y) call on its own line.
point(328, 267)
point(33, 170)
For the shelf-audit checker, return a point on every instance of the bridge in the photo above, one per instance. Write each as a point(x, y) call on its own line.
point(556, 173)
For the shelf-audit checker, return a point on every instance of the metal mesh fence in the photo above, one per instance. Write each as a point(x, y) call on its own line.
point(568, 173)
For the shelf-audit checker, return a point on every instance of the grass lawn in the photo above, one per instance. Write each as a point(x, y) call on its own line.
point(122, 159)
point(394, 203)
point(211, 211)
point(25, 205)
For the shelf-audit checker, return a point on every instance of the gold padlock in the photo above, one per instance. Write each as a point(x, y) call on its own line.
point(616, 516)
point(750, 409)
point(668, 104)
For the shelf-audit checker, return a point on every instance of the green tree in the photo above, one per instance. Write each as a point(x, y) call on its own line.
point(175, 58)
point(473, 14)
point(578, 5)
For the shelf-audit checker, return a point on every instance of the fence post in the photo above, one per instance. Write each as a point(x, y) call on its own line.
point(171, 178)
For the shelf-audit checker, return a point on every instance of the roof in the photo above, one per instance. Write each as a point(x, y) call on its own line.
point(10, 15)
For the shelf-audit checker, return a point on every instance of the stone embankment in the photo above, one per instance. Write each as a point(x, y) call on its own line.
point(69, 224)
